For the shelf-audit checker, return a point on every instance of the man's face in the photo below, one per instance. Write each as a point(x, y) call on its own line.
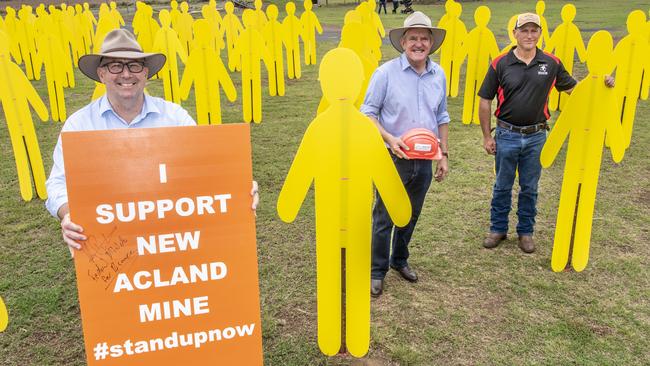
point(527, 36)
point(127, 85)
point(416, 44)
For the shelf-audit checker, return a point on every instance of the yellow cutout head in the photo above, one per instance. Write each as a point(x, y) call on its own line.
point(290, 8)
point(229, 7)
point(482, 16)
point(455, 9)
point(165, 18)
point(540, 7)
point(113, 5)
point(272, 12)
point(340, 75)
point(636, 22)
point(185, 7)
point(307, 4)
point(258, 4)
point(174, 4)
point(568, 13)
point(78, 8)
point(600, 54)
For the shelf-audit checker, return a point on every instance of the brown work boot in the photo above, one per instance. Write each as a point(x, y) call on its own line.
point(526, 243)
point(493, 240)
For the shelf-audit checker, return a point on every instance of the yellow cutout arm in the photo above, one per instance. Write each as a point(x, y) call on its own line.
point(4, 316)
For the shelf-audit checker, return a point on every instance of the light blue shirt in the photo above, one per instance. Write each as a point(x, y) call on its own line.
point(401, 99)
point(99, 115)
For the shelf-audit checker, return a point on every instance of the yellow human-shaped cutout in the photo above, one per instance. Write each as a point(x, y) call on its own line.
point(343, 154)
point(260, 16)
point(89, 24)
point(451, 47)
point(632, 61)
point(205, 69)
point(540, 7)
point(273, 36)
point(116, 14)
point(167, 43)
point(75, 32)
point(10, 22)
point(352, 38)
point(184, 27)
point(564, 43)
point(214, 19)
point(310, 25)
point(174, 13)
point(251, 49)
point(105, 24)
point(145, 26)
point(479, 47)
point(81, 30)
point(292, 31)
point(63, 34)
point(16, 94)
point(363, 13)
point(4, 316)
point(590, 113)
point(376, 20)
point(232, 27)
point(56, 64)
point(445, 16)
point(26, 38)
point(512, 22)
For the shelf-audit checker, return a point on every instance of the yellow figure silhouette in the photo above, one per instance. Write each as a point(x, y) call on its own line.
point(352, 38)
point(81, 31)
point(363, 13)
point(260, 16)
point(16, 93)
point(211, 15)
point(26, 38)
point(184, 27)
point(564, 42)
point(479, 47)
point(205, 69)
point(10, 23)
point(631, 55)
point(63, 34)
point(366, 33)
point(167, 43)
point(292, 31)
point(174, 13)
point(273, 36)
point(89, 25)
point(540, 7)
point(512, 22)
point(56, 64)
point(376, 20)
point(310, 25)
point(144, 26)
point(4, 316)
point(105, 24)
point(251, 50)
point(232, 27)
point(117, 17)
point(451, 47)
point(589, 115)
point(343, 153)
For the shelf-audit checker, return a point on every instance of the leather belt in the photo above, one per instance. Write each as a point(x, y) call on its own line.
point(524, 130)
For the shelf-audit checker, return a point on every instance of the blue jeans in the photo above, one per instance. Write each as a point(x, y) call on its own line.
point(516, 151)
point(416, 176)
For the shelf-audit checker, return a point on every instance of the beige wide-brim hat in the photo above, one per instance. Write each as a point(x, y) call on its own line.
point(417, 20)
point(120, 43)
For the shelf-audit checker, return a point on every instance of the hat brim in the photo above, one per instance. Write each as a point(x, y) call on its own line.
point(396, 34)
point(88, 64)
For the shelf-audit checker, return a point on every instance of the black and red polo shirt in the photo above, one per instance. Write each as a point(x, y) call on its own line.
point(522, 90)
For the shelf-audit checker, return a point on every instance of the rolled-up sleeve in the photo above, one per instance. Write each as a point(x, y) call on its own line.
point(57, 192)
point(375, 95)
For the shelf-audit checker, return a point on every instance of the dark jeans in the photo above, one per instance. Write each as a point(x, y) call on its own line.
point(416, 176)
point(516, 151)
point(381, 4)
point(395, 5)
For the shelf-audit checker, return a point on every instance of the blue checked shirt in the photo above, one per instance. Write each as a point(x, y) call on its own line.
point(401, 100)
point(99, 115)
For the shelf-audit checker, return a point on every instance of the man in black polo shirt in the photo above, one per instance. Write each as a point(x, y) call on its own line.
point(521, 79)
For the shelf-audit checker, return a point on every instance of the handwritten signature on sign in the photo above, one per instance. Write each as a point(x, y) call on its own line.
point(107, 255)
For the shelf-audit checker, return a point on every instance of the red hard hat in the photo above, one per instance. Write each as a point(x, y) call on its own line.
point(422, 144)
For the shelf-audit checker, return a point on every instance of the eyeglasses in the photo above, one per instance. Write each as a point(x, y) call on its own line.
point(117, 67)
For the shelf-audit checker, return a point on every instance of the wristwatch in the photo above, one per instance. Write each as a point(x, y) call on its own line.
point(445, 154)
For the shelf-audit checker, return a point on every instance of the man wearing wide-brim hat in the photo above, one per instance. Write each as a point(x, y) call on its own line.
point(123, 68)
point(406, 92)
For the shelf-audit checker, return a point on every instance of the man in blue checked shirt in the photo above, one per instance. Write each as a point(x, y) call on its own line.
point(405, 93)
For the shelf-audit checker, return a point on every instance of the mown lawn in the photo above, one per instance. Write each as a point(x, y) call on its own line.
point(471, 305)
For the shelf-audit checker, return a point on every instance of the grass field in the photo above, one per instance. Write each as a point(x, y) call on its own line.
point(471, 305)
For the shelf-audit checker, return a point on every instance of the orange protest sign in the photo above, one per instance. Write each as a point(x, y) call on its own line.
point(168, 274)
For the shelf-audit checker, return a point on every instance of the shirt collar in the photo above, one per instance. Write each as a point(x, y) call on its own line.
point(512, 59)
point(404, 63)
point(148, 107)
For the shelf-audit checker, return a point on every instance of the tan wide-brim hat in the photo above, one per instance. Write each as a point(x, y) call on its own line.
point(120, 43)
point(417, 20)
